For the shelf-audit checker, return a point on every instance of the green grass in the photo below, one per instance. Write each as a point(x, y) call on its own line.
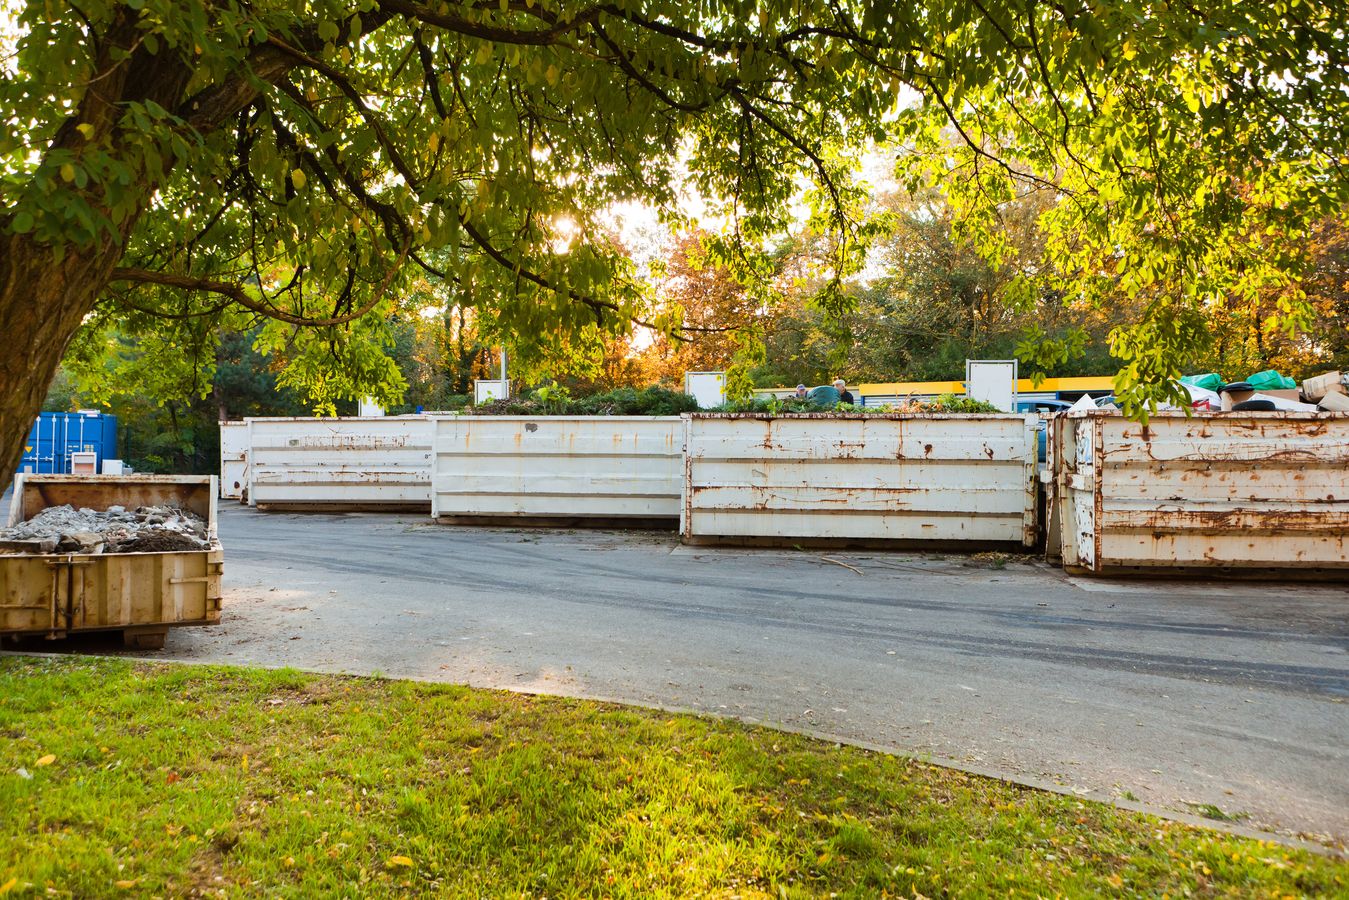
point(190, 781)
point(1209, 811)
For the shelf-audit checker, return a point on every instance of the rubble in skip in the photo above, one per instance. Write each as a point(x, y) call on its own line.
point(146, 529)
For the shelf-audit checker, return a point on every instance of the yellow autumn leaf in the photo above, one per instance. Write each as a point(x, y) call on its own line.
point(400, 861)
point(297, 178)
point(8, 886)
point(67, 172)
point(46, 760)
point(244, 764)
point(85, 129)
point(125, 885)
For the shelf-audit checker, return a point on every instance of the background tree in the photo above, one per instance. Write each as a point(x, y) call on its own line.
point(709, 304)
point(1328, 285)
point(929, 301)
point(167, 409)
point(1245, 336)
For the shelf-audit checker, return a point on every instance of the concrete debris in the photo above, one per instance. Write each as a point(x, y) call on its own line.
point(148, 529)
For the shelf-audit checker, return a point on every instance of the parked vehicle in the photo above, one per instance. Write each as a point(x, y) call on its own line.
point(1043, 406)
point(1041, 427)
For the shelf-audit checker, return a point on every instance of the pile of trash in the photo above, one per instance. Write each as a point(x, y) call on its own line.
point(1269, 390)
point(1329, 391)
point(147, 529)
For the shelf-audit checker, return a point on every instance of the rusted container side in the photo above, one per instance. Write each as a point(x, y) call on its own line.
point(536, 468)
point(140, 594)
point(1051, 477)
point(915, 479)
point(379, 462)
point(1230, 491)
point(233, 460)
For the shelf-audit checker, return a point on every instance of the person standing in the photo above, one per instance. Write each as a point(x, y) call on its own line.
point(844, 395)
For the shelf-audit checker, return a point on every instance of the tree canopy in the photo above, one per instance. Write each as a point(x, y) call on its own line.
point(299, 163)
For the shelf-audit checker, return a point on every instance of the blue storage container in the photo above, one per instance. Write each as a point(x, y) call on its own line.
point(54, 436)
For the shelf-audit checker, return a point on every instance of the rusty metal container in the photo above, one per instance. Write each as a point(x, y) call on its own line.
point(140, 594)
point(1235, 492)
point(375, 462)
point(903, 478)
point(233, 460)
point(539, 468)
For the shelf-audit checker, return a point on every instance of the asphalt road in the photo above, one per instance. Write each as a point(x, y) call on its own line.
point(1176, 694)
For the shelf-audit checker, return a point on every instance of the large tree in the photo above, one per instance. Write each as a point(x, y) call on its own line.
point(296, 160)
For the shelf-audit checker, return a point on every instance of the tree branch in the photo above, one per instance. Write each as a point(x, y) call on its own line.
point(460, 25)
point(238, 295)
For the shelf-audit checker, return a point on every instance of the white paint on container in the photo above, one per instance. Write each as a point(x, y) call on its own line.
point(485, 390)
point(1227, 490)
point(992, 381)
point(233, 460)
point(708, 388)
point(333, 463)
point(913, 478)
point(368, 408)
point(603, 467)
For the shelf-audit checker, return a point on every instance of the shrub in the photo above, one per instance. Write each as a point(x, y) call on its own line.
point(955, 403)
point(772, 406)
point(658, 401)
point(624, 401)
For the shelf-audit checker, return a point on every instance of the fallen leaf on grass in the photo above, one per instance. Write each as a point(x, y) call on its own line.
point(46, 760)
point(8, 886)
point(125, 885)
point(404, 861)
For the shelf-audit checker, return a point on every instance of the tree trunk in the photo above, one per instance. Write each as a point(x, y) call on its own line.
point(46, 291)
point(43, 300)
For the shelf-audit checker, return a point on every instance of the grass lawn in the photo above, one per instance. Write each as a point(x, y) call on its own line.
point(123, 779)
